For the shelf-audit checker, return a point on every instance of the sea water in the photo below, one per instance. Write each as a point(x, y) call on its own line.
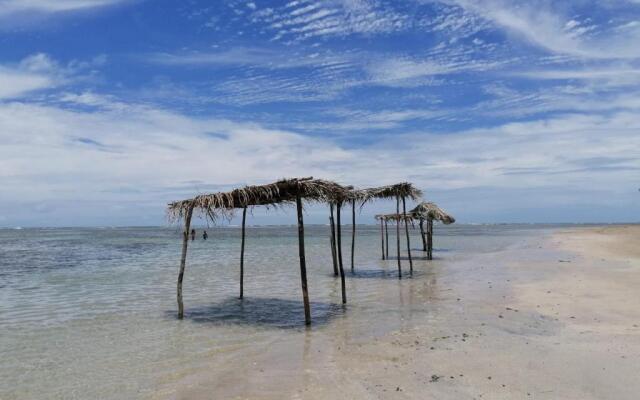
point(91, 312)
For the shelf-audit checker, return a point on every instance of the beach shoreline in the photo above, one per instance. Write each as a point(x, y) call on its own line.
point(552, 317)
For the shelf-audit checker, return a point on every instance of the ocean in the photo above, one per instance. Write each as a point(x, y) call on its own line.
point(91, 312)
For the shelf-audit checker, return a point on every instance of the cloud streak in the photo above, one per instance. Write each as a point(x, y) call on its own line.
point(36, 72)
point(13, 7)
point(550, 29)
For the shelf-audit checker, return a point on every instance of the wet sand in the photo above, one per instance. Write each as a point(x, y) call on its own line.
point(556, 316)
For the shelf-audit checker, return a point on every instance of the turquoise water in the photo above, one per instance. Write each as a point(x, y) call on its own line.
point(91, 313)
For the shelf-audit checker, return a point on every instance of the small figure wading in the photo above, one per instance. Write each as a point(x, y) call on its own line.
point(205, 235)
point(193, 234)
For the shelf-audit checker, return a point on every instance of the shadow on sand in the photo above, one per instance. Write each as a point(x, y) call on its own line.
point(389, 273)
point(258, 311)
point(406, 258)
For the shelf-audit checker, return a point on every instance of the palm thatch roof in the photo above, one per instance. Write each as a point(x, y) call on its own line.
point(282, 192)
point(403, 189)
point(424, 210)
point(395, 217)
point(428, 210)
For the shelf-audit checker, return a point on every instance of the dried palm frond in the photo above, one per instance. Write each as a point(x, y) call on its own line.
point(428, 210)
point(395, 217)
point(404, 189)
point(282, 192)
point(424, 210)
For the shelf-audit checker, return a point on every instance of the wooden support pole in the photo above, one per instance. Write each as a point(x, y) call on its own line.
point(382, 237)
point(406, 231)
point(339, 239)
point(430, 239)
point(398, 235)
point(303, 264)
point(183, 259)
point(422, 234)
point(334, 256)
point(386, 234)
point(244, 218)
point(353, 232)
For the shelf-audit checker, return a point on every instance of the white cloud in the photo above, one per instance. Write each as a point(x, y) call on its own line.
point(548, 28)
point(326, 18)
point(607, 77)
point(131, 155)
point(55, 153)
point(252, 56)
point(15, 83)
point(34, 73)
point(412, 72)
point(572, 152)
point(587, 74)
point(10, 7)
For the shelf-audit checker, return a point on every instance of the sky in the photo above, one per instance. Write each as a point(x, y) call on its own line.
point(501, 111)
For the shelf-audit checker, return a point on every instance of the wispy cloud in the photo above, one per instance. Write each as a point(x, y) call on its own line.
point(110, 149)
point(39, 72)
point(606, 76)
point(408, 72)
point(22, 7)
point(550, 28)
point(257, 57)
point(33, 73)
point(302, 20)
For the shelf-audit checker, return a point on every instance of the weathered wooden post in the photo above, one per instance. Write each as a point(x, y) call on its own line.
point(386, 234)
point(430, 239)
point(341, 268)
point(353, 231)
point(382, 237)
point(422, 235)
point(334, 256)
point(183, 258)
point(303, 264)
point(398, 235)
point(406, 230)
point(244, 218)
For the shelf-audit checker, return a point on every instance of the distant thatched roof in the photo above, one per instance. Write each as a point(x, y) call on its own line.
point(394, 217)
point(428, 210)
point(273, 194)
point(404, 189)
point(424, 210)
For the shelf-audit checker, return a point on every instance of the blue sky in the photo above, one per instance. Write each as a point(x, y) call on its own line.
point(502, 111)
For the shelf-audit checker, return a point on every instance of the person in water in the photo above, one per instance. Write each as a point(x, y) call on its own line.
point(205, 235)
point(193, 234)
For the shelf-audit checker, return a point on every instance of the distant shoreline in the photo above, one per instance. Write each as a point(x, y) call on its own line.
point(234, 226)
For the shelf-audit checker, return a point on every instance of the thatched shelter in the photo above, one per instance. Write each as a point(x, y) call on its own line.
point(349, 194)
point(360, 196)
point(399, 191)
point(427, 211)
point(224, 204)
point(384, 229)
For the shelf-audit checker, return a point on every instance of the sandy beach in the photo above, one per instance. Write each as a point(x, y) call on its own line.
point(553, 317)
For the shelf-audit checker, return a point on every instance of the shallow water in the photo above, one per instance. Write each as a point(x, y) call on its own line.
point(91, 313)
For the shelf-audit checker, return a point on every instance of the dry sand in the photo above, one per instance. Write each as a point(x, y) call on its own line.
point(558, 317)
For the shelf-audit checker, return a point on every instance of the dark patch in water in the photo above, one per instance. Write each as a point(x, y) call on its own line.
point(413, 257)
point(391, 272)
point(270, 312)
